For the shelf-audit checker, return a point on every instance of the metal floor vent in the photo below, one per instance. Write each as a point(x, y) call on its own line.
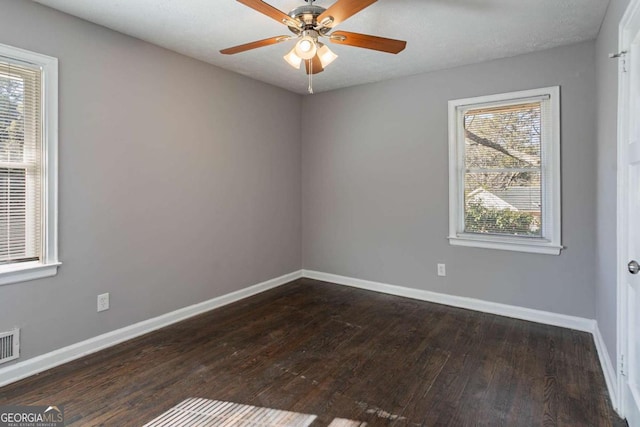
point(9, 345)
point(205, 412)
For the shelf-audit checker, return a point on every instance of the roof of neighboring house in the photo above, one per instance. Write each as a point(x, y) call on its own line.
point(522, 198)
point(489, 200)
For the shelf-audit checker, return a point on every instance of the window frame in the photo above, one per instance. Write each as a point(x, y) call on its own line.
point(550, 242)
point(48, 265)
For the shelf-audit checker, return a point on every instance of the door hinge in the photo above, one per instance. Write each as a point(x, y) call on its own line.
point(620, 55)
point(622, 372)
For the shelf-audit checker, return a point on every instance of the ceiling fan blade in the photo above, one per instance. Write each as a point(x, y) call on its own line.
point(271, 12)
point(254, 45)
point(342, 10)
point(368, 42)
point(316, 65)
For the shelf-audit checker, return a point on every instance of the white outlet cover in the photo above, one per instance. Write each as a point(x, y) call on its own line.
point(442, 270)
point(103, 302)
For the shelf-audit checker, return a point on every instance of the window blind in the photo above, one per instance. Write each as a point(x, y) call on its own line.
point(503, 169)
point(20, 162)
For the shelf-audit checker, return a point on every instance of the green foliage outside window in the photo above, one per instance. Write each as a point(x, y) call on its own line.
point(480, 219)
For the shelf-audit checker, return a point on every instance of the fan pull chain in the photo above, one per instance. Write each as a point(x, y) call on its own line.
point(310, 88)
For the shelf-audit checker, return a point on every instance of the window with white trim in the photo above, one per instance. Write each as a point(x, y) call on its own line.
point(28, 165)
point(504, 171)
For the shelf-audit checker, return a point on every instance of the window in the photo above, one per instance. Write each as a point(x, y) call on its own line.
point(28, 165)
point(504, 171)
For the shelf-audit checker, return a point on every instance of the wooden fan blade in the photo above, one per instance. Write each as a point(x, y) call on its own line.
point(254, 45)
point(368, 42)
point(342, 10)
point(316, 65)
point(271, 12)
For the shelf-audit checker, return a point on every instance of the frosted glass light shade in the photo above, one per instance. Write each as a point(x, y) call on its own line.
point(293, 59)
point(305, 48)
point(326, 55)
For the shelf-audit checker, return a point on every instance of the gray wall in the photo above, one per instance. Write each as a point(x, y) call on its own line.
point(375, 184)
point(179, 181)
point(607, 82)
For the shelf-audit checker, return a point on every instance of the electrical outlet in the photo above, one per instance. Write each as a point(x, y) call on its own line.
point(103, 302)
point(442, 270)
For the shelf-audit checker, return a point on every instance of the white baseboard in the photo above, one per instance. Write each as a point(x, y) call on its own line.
point(609, 371)
point(539, 316)
point(55, 358)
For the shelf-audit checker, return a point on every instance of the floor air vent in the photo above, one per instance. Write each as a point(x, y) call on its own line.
point(9, 345)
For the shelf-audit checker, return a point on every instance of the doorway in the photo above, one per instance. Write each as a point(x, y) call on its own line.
point(629, 217)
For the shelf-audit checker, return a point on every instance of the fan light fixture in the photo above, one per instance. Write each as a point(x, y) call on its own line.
point(293, 59)
point(308, 23)
point(325, 55)
point(306, 47)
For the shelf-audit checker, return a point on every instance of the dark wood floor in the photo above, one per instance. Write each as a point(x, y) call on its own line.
point(333, 351)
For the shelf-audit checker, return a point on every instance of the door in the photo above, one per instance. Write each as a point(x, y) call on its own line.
point(629, 282)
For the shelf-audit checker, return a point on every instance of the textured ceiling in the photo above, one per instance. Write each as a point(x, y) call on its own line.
point(440, 33)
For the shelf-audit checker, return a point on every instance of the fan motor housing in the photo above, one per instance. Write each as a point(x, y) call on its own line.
point(308, 16)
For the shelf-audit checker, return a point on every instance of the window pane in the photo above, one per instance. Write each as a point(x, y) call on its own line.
point(20, 158)
point(502, 185)
point(503, 203)
point(13, 210)
point(504, 137)
point(11, 117)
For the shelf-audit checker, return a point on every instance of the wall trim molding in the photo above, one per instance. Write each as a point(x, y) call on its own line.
point(35, 365)
point(610, 377)
point(516, 312)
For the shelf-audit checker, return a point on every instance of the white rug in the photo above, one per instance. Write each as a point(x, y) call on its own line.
point(205, 412)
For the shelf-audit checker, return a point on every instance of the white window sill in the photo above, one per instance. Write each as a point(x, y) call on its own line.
point(21, 272)
point(523, 244)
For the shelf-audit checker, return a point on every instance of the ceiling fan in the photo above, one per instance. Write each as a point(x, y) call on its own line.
point(310, 23)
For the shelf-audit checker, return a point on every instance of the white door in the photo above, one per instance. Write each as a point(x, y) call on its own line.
point(630, 279)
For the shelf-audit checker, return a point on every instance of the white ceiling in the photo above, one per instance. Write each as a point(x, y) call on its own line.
point(439, 33)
